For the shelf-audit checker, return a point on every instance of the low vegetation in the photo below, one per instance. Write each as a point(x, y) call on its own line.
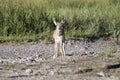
point(31, 20)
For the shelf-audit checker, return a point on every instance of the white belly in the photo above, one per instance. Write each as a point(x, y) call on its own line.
point(58, 39)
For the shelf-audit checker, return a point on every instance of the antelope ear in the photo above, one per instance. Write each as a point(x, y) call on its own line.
point(63, 20)
point(54, 21)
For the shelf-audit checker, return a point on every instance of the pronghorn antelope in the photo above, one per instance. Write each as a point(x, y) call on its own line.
point(59, 38)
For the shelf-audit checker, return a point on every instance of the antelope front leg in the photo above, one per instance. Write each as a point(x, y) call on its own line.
point(63, 47)
point(55, 51)
point(61, 51)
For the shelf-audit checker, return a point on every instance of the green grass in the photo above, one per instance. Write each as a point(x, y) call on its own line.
point(31, 20)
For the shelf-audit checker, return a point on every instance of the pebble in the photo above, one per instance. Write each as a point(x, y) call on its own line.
point(30, 59)
point(101, 74)
point(38, 56)
point(1, 68)
point(29, 71)
point(52, 73)
point(13, 62)
point(1, 61)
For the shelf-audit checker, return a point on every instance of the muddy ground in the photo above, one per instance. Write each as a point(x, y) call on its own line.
point(97, 60)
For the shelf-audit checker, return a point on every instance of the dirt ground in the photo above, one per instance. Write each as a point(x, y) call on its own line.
point(97, 60)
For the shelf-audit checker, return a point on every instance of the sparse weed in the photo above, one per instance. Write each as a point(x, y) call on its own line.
point(113, 46)
point(105, 54)
point(7, 66)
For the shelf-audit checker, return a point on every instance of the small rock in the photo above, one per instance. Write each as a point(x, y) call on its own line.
point(70, 54)
point(40, 59)
point(69, 43)
point(23, 69)
point(1, 68)
point(36, 73)
point(13, 62)
point(92, 53)
point(38, 56)
point(19, 58)
point(30, 59)
point(14, 74)
point(22, 60)
point(84, 54)
point(47, 67)
point(29, 71)
point(66, 70)
point(101, 74)
point(1, 61)
point(85, 48)
point(52, 73)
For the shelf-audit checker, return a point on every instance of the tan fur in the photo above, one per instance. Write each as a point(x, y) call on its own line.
point(59, 38)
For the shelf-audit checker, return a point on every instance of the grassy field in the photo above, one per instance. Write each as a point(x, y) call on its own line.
point(31, 20)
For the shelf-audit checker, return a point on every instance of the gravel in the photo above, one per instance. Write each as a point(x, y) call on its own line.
point(33, 52)
point(29, 54)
